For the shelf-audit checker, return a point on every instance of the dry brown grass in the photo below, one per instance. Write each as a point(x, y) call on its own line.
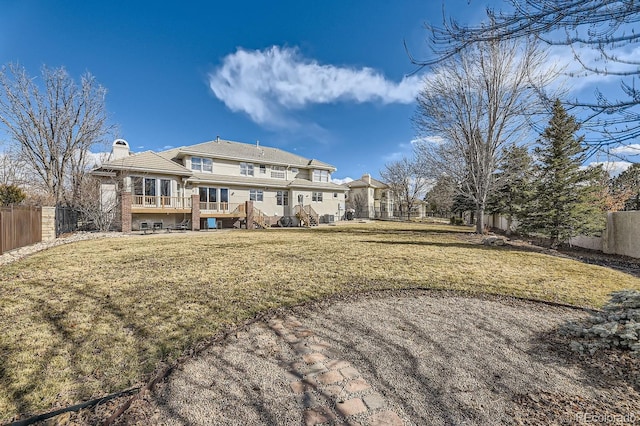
point(86, 319)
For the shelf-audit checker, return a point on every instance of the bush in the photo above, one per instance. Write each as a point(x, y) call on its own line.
point(456, 220)
point(11, 194)
point(617, 326)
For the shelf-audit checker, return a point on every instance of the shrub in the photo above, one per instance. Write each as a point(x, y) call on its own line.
point(11, 194)
point(617, 326)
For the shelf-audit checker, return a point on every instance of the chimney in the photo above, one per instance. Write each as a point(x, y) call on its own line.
point(257, 143)
point(218, 139)
point(119, 149)
point(366, 178)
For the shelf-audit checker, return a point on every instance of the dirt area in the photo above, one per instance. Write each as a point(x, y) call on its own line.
point(407, 357)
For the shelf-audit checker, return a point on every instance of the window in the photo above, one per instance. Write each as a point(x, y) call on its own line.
point(256, 195)
point(263, 169)
point(316, 196)
point(196, 163)
point(165, 187)
point(294, 170)
point(282, 198)
point(335, 195)
point(320, 176)
point(138, 189)
point(246, 169)
point(277, 172)
point(202, 164)
point(149, 187)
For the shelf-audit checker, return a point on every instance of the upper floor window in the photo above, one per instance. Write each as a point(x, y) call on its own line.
point(277, 172)
point(263, 169)
point(202, 164)
point(246, 169)
point(321, 176)
point(256, 195)
point(316, 196)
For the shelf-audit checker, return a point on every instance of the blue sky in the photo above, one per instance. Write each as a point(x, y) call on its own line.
point(327, 80)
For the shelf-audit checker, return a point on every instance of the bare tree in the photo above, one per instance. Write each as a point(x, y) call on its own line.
point(359, 203)
point(408, 182)
point(476, 103)
point(603, 27)
point(54, 125)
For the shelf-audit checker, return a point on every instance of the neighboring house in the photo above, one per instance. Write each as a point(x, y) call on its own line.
point(370, 198)
point(234, 183)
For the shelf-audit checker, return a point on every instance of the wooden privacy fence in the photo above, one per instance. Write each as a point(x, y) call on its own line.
point(19, 226)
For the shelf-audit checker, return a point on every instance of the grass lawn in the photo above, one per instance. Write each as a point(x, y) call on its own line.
point(86, 319)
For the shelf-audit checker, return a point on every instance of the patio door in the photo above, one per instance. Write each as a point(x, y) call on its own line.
point(224, 199)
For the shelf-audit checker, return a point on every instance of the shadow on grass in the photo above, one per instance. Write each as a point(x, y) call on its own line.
point(436, 244)
point(406, 231)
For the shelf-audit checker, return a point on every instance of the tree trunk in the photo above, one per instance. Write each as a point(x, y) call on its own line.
point(479, 219)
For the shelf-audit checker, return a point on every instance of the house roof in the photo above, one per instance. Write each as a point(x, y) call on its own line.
point(302, 183)
point(361, 183)
point(147, 161)
point(220, 148)
point(267, 183)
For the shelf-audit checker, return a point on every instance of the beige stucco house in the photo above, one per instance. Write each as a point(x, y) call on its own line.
point(370, 198)
point(231, 182)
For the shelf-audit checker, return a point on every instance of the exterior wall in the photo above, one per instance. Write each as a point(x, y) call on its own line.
point(232, 168)
point(125, 211)
point(591, 243)
point(622, 235)
point(48, 223)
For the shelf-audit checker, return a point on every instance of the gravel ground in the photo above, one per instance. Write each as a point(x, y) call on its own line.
point(397, 358)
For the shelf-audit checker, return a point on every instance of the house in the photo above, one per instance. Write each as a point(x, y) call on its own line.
point(370, 198)
point(218, 183)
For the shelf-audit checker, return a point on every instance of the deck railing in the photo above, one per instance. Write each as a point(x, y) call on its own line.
point(161, 202)
point(222, 207)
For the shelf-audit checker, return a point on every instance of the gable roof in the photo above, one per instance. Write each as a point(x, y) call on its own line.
point(147, 161)
point(220, 148)
point(361, 183)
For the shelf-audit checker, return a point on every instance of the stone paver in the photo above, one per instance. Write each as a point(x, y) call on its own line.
point(374, 401)
point(330, 377)
point(357, 385)
point(320, 377)
point(385, 418)
point(350, 373)
point(318, 415)
point(314, 357)
point(351, 407)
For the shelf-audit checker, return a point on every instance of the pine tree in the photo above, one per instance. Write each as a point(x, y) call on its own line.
point(513, 184)
point(565, 198)
point(627, 185)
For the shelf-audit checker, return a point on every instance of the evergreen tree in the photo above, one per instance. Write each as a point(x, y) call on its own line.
point(565, 200)
point(11, 194)
point(627, 185)
point(440, 197)
point(513, 184)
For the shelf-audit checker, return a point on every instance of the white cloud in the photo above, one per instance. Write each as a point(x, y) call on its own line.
point(428, 139)
point(632, 149)
point(341, 181)
point(613, 167)
point(265, 83)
